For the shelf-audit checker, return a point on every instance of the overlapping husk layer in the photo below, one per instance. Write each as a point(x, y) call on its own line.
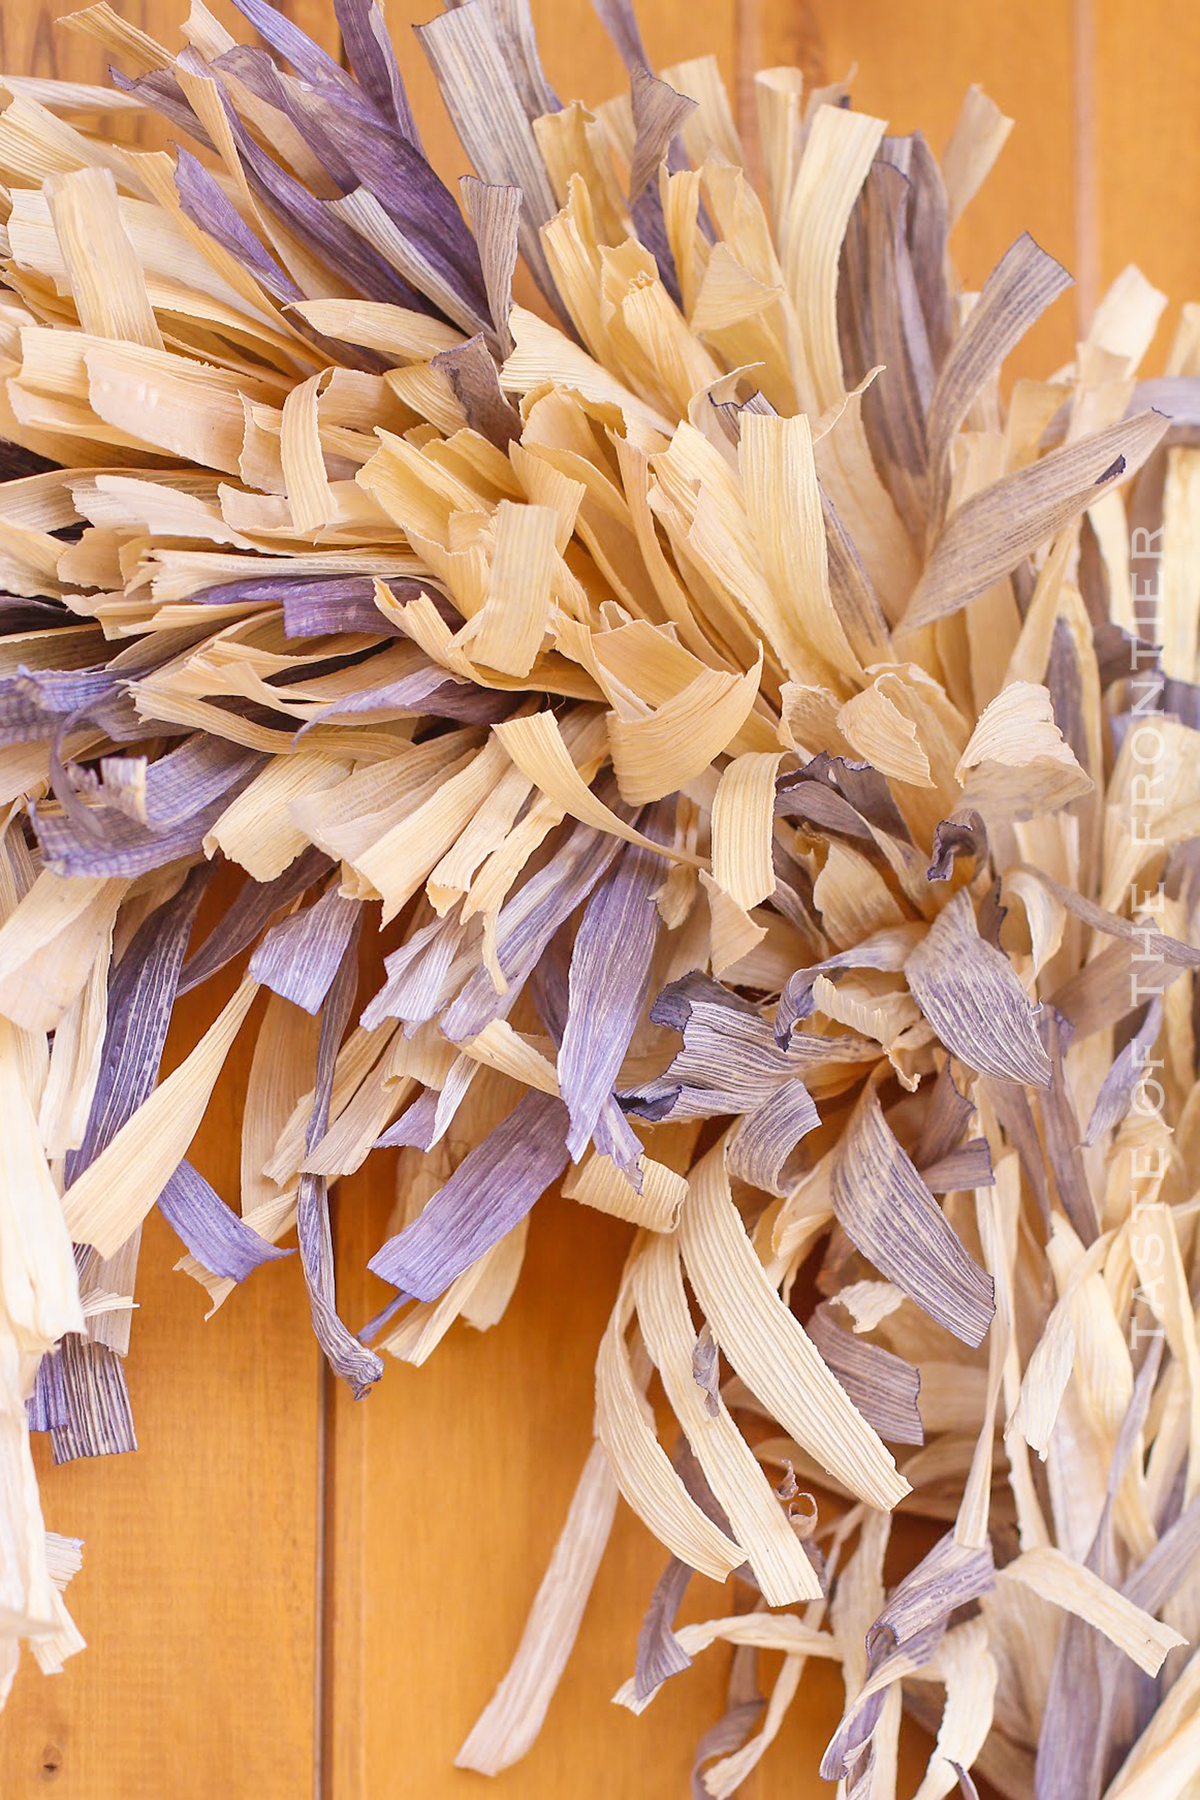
point(761, 744)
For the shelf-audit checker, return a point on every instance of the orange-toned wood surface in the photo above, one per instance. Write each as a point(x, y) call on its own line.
point(289, 1594)
point(199, 1598)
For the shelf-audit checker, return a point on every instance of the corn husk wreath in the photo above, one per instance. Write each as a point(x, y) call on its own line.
point(768, 762)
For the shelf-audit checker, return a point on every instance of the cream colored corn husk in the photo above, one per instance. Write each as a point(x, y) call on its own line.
point(764, 743)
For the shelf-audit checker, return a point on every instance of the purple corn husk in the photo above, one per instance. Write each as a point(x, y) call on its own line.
point(492, 1189)
point(300, 957)
point(212, 1231)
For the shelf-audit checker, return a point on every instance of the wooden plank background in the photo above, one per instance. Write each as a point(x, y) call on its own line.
point(285, 1593)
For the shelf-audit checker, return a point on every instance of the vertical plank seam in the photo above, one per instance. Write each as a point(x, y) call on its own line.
point(340, 1772)
point(765, 35)
point(747, 56)
point(1086, 188)
point(745, 52)
point(324, 1701)
point(321, 1576)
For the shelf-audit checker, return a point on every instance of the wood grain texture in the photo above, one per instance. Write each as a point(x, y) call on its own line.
point(447, 1491)
point(33, 42)
point(198, 1589)
point(444, 1492)
point(449, 1488)
point(914, 64)
point(1147, 141)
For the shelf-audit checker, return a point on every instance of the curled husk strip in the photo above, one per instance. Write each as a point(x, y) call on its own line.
point(763, 748)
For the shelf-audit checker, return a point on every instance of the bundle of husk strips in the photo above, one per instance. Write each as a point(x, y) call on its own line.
point(768, 763)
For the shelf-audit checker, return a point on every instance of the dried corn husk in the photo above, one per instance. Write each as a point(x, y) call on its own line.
point(747, 723)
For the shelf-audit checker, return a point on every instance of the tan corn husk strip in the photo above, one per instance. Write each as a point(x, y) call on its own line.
point(734, 710)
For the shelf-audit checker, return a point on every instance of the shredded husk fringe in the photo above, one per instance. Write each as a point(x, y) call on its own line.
point(765, 751)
